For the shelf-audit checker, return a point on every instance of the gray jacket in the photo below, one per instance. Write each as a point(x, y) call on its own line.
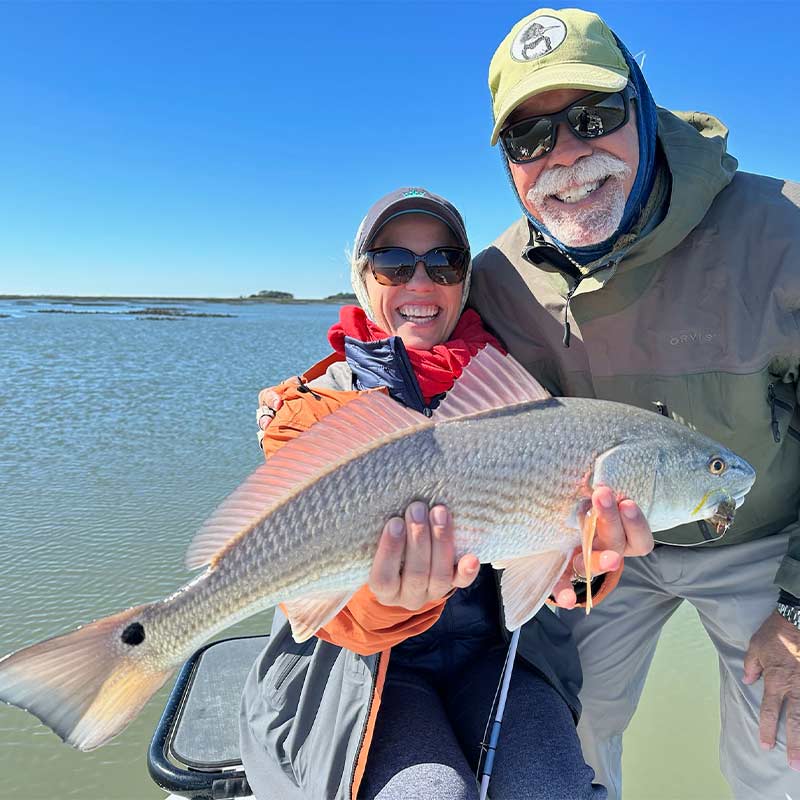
point(305, 707)
point(699, 315)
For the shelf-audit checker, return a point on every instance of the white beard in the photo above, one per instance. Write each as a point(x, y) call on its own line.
point(587, 224)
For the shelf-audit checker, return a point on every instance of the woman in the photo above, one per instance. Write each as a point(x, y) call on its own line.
point(407, 673)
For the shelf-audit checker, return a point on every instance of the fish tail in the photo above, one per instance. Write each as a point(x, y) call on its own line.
point(86, 685)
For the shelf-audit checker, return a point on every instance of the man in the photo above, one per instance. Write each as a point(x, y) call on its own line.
point(646, 269)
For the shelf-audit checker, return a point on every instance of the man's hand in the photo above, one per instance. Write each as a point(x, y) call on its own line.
point(269, 401)
point(415, 562)
point(622, 531)
point(774, 655)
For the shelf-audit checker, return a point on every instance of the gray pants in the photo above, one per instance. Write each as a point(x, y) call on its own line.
point(428, 735)
point(732, 589)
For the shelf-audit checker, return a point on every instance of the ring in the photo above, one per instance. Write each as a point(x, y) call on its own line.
point(264, 411)
point(576, 576)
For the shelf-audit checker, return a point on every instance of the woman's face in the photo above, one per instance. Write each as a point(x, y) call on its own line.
point(421, 312)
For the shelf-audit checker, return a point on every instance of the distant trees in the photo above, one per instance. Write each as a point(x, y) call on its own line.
point(343, 296)
point(288, 297)
point(272, 294)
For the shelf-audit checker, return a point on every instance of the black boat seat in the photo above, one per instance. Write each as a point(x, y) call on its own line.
point(195, 749)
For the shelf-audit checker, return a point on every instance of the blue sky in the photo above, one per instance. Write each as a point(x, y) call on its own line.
point(218, 149)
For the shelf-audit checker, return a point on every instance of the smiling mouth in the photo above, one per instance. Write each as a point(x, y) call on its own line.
point(574, 194)
point(419, 314)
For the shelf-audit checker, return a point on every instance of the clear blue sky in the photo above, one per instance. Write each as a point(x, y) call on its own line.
point(219, 149)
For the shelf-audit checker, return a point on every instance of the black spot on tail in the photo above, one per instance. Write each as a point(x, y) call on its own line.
point(133, 634)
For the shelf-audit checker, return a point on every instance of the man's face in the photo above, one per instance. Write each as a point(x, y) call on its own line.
point(579, 189)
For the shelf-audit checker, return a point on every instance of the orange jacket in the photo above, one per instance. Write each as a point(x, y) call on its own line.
point(364, 625)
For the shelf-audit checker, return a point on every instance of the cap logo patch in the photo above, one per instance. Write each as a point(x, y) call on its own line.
point(538, 38)
point(414, 193)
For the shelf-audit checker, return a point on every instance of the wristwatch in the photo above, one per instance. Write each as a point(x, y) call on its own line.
point(790, 613)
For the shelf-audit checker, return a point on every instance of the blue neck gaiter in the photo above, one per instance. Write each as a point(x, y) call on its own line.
point(647, 125)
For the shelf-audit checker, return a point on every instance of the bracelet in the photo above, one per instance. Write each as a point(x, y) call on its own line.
point(790, 614)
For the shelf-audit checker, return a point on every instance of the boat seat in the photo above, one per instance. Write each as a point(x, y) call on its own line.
point(195, 749)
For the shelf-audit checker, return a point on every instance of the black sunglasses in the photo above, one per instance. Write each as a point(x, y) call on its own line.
point(590, 117)
point(394, 266)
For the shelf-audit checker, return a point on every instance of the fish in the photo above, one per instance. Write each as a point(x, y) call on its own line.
point(515, 466)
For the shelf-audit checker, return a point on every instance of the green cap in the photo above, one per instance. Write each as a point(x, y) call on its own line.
point(550, 49)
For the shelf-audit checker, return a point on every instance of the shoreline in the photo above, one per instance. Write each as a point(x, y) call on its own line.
point(77, 299)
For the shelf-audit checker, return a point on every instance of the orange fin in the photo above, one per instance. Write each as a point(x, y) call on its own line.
point(490, 380)
point(85, 685)
point(588, 528)
point(307, 615)
point(367, 421)
point(527, 582)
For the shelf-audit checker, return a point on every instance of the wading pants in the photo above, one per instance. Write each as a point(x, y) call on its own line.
point(732, 589)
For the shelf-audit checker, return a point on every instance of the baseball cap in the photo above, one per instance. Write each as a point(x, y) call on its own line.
point(408, 200)
point(554, 49)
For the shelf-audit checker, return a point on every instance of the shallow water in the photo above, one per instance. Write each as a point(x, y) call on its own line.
point(118, 435)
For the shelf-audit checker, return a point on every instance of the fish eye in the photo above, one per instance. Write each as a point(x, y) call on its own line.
point(716, 465)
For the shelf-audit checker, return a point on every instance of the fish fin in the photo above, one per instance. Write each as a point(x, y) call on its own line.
point(307, 615)
point(83, 685)
point(527, 582)
point(490, 380)
point(365, 422)
point(588, 528)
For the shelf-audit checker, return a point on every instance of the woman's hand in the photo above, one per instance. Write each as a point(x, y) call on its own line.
point(415, 563)
point(622, 531)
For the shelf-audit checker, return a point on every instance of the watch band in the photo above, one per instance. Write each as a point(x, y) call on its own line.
point(790, 613)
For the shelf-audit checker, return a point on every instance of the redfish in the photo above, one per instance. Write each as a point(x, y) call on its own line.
point(515, 466)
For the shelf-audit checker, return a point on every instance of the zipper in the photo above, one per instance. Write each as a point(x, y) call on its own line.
point(578, 278)
point(284, 673)
point(773, 402)
point(366, 723)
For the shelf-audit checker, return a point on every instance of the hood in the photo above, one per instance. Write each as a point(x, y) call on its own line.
point(694, 145)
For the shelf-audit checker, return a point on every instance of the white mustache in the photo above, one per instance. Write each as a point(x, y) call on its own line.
point(589, 169)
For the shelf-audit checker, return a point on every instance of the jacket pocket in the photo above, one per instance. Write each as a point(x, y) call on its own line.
point(284, 672)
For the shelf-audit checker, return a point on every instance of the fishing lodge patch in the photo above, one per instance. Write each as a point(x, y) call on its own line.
point(542, 36)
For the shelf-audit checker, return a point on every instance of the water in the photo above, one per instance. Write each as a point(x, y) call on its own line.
point(118, 435)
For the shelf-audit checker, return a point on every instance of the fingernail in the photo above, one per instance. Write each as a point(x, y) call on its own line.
point(606, 500)
point(794, 763)
point(419, 512)
point(565, 598)
point(439, 515)
point(395, 527)
point(766, 746)
point(609, 560)
point(630, 510)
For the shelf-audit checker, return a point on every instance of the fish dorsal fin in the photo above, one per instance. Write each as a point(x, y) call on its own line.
point(363, 423)
point(490, 380)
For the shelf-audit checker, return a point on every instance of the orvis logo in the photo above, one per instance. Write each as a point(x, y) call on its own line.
point(692, 337)
point(414, 193)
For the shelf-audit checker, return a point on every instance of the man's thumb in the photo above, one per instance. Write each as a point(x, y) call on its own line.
point(752, 667)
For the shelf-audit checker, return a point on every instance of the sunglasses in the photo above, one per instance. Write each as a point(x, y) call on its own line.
point(394, 266)
point(590, 117)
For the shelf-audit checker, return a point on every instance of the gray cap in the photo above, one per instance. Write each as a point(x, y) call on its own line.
point(408, 201)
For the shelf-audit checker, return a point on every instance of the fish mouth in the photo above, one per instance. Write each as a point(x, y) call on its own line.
point(724, 512)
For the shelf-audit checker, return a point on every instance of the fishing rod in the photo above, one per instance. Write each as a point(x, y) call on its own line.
point(508, 668)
